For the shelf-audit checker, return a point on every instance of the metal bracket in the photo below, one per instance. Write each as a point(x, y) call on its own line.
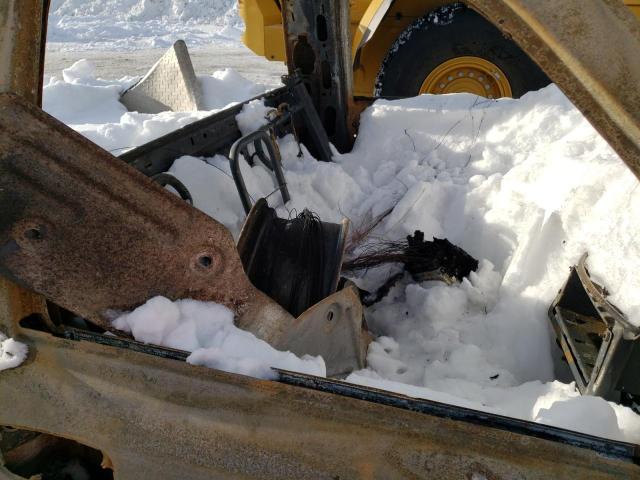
point(271, 159)
point(598, 342)
point(318, 44)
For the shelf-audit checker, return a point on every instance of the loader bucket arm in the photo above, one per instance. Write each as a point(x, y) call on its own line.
point(590, 50)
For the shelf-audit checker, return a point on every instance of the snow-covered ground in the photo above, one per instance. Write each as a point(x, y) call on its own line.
point(206, 59)
point(526, 186)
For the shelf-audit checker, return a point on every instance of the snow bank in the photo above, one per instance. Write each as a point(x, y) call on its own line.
point(206, 329)
point(91, 105)
point(12, 353)
point(526, 186)
point(134, 24)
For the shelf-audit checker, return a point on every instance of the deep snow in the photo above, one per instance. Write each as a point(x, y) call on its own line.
point(526, 186)
point(134, 24)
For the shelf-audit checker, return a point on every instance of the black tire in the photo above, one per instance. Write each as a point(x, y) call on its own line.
point(449, 32)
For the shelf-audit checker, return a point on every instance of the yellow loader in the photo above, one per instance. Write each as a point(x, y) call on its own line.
point(401, 48)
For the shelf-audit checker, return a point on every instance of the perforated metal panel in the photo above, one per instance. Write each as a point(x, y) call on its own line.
point(171, 84)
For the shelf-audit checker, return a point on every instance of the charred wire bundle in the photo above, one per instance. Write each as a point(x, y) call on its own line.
point(294, 251)
point(438, 259)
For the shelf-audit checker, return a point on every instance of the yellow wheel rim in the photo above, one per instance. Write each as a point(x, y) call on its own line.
point(468, 74)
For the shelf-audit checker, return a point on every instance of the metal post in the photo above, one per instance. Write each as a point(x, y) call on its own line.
point(23, 32)
point(318, 43)
point(23, 27)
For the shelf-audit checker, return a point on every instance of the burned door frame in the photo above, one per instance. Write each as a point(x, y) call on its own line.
point(151, 412)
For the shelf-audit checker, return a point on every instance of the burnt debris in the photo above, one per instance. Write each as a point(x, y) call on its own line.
point(438, 255)
point(424, 260)
point(294, 261)
point(437, 259)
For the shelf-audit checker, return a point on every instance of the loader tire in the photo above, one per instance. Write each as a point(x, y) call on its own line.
point(455, 49)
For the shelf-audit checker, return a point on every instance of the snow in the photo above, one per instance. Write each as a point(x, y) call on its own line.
point(12, 353)
point(526, 186)
point(226, 86)
point(135, 24)
point(91, 105)
point(206, 329)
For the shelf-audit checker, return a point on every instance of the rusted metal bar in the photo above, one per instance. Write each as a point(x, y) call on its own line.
point(23, 33)
point(318, 44)
point(590, 50)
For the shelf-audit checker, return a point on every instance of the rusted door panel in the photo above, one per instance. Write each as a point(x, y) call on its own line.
point(160, 418)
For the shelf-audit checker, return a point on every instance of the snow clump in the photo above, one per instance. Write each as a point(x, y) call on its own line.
point(206, 329)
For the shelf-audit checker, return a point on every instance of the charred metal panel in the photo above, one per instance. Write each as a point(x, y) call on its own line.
point(87, 231)
point(23, 33)
point(296, 261)
point(217, 133)
point(600, 345)
point(317, 37)
point(206, 137)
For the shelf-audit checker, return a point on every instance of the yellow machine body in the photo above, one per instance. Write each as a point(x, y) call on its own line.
point(375, 25)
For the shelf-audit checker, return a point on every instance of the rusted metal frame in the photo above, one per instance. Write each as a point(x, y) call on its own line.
point(611, 448)
point(23, 33)
point(318, 45)
point(590, 50)
point(622, 450)
point(156, 417)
